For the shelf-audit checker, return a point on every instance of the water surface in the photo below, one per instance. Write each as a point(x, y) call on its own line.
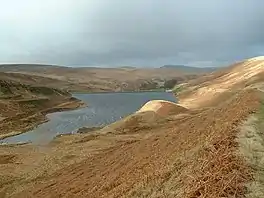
point(102, 109)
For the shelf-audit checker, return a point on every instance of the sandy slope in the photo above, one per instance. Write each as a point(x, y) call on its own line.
point(162, 107)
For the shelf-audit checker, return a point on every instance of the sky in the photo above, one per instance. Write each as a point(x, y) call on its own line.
point(143, 33)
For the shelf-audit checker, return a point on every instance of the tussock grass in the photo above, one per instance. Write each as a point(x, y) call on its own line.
point(251, 147)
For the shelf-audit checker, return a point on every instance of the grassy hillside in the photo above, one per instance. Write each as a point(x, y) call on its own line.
point(247, 73)
point(38, 80)
point(94, 79)
point(208, 146)
point(24, 106)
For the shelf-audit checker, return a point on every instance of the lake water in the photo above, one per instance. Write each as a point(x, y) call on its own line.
point(102, 109)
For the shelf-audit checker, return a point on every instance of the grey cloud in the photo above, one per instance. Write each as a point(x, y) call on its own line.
point(138, 32)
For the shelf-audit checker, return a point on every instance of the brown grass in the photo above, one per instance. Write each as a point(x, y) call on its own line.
point(203, 90)
point(6, 159)
point(24, 106)
point(192, 156)
point(96, 79)
point(188, 155)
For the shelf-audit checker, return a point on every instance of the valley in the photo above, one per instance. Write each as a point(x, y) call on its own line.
point(96, 79)
point(190, 149)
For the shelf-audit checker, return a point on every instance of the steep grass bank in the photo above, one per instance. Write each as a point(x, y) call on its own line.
point(24, 106)
point(189, 156)
point(251, 148)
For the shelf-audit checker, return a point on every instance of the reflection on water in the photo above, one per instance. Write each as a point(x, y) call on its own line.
point(102, 109)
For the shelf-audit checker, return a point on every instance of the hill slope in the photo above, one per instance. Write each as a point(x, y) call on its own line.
point(104, 79)
point(188, 153)
point(23, 106)
point(240, 75)
point(186, 69)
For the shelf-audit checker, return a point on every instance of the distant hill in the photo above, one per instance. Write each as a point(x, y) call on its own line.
point(98, 79)
point(184, 68)
point(26, 67)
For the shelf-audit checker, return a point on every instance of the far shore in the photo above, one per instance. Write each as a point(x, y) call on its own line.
point(108, 92)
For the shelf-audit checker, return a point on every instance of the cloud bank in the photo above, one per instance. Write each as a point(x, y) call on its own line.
point(145, 33)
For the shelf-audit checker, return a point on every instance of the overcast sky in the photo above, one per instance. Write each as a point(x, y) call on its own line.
point(131, 32)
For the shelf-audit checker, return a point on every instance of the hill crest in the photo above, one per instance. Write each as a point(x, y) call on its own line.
point(246, 73)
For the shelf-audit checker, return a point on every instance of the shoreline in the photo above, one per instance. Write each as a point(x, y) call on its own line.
point(72, 104)
point(109, 92)
point(91, 156)
point(42, 116)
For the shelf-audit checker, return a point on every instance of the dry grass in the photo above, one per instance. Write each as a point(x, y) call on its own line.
point(251, 147)
point(25, 106)
point(6, 159)
point(96, 79)
point(191, 156)
point(202, 91)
